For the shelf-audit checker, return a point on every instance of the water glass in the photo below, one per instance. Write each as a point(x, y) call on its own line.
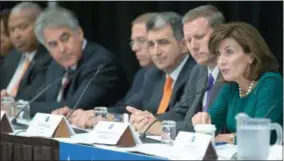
point(25, 107)
point(100, 114)
point(168, 131)
point(8, 104)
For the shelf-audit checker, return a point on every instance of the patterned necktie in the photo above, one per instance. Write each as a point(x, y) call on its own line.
point(65, 81)
point(25, 67)
point(167, 93)
point(210, 84)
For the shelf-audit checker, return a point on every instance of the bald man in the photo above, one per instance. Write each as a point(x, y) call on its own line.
point(23, 71)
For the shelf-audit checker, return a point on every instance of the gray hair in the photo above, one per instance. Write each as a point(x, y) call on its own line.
point(161, 20)
point(30, 6)
point(211, 13)
point(55, 17)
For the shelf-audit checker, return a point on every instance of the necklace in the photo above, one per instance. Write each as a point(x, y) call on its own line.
point(249, 89)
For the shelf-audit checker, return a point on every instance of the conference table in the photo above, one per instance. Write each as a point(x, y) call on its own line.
point(16, 147)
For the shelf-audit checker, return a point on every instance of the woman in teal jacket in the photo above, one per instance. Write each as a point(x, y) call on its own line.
point(253, 85)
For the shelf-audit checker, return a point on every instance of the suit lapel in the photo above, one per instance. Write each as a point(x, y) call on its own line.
point(201, 83)
point(33, 64)
point(74, 82)
point(57, 73)
point(180, 82)
point(12, 69)
point(157, 94)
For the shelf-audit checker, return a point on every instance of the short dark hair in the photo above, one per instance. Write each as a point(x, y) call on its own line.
point(251, 42)
point(143, 18)
point(211, 13)
point(163, 19)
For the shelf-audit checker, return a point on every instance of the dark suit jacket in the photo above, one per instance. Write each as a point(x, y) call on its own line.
point(150, 96)
point(184, 111)
point(136, 87)
point(33, 78)
point(106, 88)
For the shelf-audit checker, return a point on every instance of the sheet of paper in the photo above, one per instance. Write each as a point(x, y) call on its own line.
point(160, 150)
point(158, 138)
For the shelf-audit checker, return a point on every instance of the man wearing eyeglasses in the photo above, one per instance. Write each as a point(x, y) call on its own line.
point(139, 45)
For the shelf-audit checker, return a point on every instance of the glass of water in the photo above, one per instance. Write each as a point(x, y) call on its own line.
point(25, 113)
point(168, 131)
point(100, 114)
point(8, 105)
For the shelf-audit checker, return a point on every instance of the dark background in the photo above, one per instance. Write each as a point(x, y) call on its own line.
point(108, 23)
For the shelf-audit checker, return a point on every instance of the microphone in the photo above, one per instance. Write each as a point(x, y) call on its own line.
point(14, 120)
point(207, 87)
point(84, 91)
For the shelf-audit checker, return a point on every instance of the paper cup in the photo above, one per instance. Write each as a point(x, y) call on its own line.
point(206, 129)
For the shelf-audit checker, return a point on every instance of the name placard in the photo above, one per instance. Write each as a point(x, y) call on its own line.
point(194, 146)
point(6, 126)
point(48, 125)
point(114, 133)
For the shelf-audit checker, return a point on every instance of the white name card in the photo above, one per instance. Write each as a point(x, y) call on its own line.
point(114, 133)
point(47, 125)
point(6, 125)
point(192, 146)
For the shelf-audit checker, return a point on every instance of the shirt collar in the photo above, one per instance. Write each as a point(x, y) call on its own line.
point(175, 73)
point(30, 55)
point(214, 72)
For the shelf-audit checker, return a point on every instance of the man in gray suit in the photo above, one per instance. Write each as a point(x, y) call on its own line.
point(202, 86)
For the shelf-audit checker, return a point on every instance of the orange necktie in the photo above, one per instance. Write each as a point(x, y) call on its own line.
point(167, 93)
point(17, 84)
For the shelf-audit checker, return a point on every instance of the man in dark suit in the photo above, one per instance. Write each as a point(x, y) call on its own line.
point(203, 85)
point(169, 53)
point(139, 46)
point(163, 82)
point(23, 71)
point(81, 67)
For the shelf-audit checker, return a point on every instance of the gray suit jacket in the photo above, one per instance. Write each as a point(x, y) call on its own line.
point(191, 101)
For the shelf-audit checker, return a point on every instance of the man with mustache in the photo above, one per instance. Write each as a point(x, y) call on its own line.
point(24, 68)
point(77, 61)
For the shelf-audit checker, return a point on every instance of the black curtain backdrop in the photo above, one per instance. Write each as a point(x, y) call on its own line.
point(108, 23)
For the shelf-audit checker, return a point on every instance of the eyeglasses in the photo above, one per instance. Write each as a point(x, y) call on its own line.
point(139, 41)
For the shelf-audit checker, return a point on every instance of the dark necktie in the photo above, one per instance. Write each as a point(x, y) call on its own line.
point(210, 84)
point(64, 83)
